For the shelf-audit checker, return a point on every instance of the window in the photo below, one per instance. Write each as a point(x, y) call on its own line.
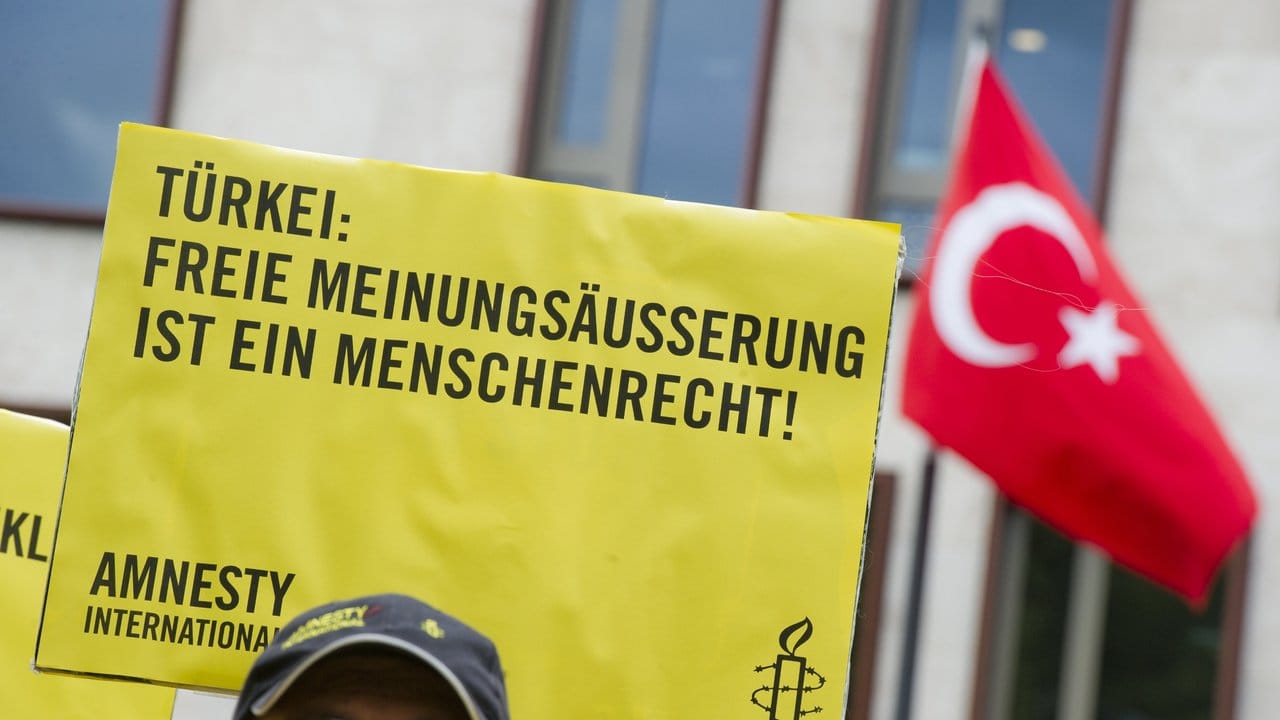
point(75, 69)
point(1070, 636)
point(1058, 58)
point(1161, 659)
point(653, 96)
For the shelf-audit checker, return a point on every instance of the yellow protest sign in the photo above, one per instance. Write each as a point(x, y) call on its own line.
point(629, 439)
point(33, 453)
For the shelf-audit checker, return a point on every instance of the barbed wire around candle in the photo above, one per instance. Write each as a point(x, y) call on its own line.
point(791, 673)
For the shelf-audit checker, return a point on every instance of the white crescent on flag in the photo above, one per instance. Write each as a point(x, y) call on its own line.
point(972, 230)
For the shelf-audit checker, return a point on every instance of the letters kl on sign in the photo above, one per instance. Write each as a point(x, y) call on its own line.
point(630, 439)
point(33, 454)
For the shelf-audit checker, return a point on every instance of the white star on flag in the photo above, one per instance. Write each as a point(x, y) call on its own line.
point(1096, 339)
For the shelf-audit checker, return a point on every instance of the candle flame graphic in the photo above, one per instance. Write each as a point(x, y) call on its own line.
point(804, 628)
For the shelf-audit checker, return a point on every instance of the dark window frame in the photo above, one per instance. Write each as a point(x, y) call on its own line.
point(49, 412)
point(875, 565)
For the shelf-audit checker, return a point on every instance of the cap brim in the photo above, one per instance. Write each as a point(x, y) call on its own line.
point(271, 697)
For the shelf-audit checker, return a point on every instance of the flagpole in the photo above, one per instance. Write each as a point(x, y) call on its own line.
point(915, 592)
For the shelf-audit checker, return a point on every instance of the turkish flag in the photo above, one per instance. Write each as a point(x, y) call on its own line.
point(1030, 357)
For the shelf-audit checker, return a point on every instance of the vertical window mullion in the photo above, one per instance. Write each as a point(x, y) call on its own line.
point(627, 101)
point(608, 161)
point(1082, 641)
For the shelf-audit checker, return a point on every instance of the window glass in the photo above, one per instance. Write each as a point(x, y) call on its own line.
point(652, 96)
point(701, 99)
point(1044, 615)
point(923, 134)
point(1160, 657)
point(584, 105)
point(1055, 58)
point(74, 70)
point(577, 179)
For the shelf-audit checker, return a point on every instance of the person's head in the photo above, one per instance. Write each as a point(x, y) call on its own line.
point(381, 657)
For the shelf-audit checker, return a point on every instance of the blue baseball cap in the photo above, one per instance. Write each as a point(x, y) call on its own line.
point(467, 660)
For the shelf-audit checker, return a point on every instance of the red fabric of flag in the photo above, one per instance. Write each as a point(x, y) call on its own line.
point(1030, 357)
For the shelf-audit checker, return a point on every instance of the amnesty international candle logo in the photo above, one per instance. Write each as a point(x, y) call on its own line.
point(792, 677)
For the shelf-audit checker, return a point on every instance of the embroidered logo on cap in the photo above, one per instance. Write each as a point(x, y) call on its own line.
point(432, 628)
point(339, 619)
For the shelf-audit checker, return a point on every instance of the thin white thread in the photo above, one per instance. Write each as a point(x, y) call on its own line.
point(1072, 299)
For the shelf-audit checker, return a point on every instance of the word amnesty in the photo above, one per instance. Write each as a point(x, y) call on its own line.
point(182, 582)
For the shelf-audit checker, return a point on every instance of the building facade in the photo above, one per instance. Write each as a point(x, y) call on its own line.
point(1164, 112)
